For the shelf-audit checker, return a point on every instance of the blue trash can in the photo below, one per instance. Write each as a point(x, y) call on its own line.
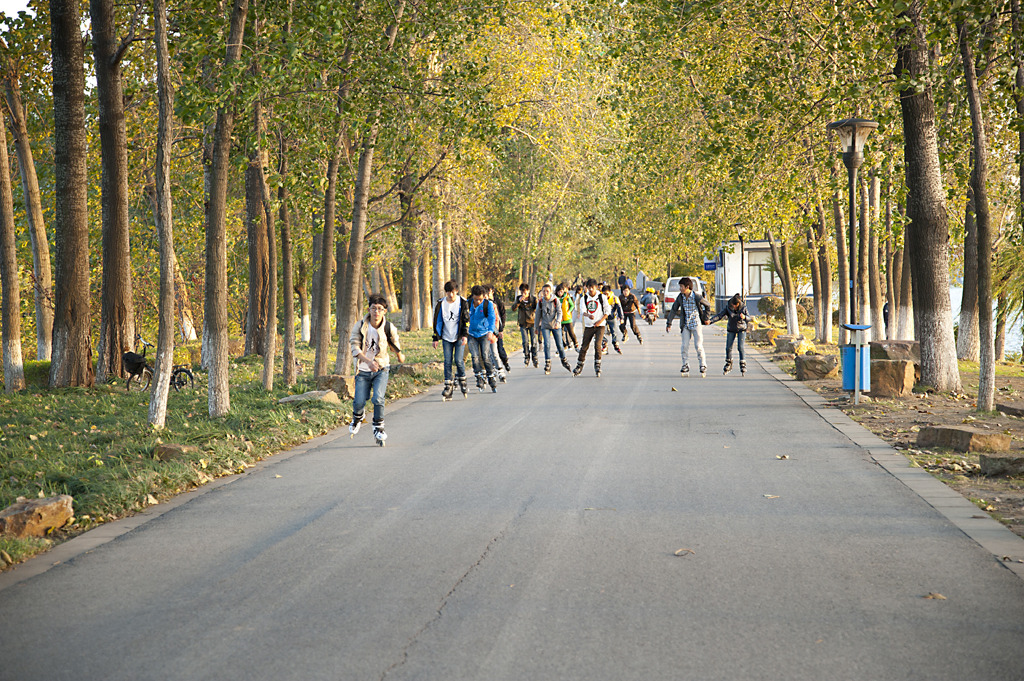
point(849, 366)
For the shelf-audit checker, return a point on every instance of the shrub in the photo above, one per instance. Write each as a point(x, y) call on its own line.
point(771, 307)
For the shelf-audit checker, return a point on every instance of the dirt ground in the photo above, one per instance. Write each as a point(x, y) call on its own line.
point(897, 421)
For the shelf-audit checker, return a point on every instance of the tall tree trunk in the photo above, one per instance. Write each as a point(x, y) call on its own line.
point(186, 319)
point(287, 277)
point(1002, 312)
point(812, 249)
point(890, 263)
point(164, 220)
point(216, 294)
point(905, 329)
point(257, 320)
point(322, 293)
point(389, 285)
point(979, 180)
point(117, 311)
point(341, 262)
point(438, 264)
point(10, 309)
point(425, 306)
point(874, 266)
point(825, 272)
point(863, 262)
point(71, 363)
point(269, 349)
point(318, 241)
point(967, 339)
point(41, 271)
point(926, 208)
point(781, 257)
point(842, 267)
point(410, 264)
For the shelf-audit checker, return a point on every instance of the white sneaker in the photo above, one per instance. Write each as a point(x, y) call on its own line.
point(354, 427)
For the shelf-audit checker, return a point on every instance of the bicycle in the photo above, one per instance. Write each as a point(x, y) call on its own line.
point(140, 372)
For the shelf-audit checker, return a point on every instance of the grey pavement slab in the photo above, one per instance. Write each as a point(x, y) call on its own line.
point(532, 534)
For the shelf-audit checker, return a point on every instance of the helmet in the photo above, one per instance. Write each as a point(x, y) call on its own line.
point(649, 290)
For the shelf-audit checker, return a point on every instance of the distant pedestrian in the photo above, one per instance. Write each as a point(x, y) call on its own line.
point(611, 326)
point(549, 326)
point(479, 336)
point(736, 329)
point(630, 308)
point(693, 312)
point(451, 318)
point(369, 341)
point(568, 314)
point(526, 306)
point(595, 311)
point(498, 355)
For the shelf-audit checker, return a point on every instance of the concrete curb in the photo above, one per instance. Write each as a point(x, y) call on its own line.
point(975, 523)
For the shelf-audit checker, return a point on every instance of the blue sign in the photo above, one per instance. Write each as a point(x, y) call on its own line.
point(710, 266)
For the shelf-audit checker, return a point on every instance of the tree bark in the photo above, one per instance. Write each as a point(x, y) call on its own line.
point(71, 360)
point(863, 263)
point(164, 220)
point(318, 247)
point(410, 264)
point(843, 267)
point(257, 320)
point(905, 329)
point(812, 249)
point(389, 284)
point(322, 294)
point(890, 264)
point(216, 295)
point(781, 257)
point(425, 306)
point(117, 310)
point(10, 309)
point(979, 180)
point(269, 349)
point(967, 339)
point(825, 272)
point(287, 277)
point(41, 271)
point(874, 271)
point(926, 208)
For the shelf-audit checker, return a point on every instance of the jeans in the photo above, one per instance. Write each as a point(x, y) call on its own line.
point(548, 334)
point(698, 342)
point(591, 333)
point(454, 353)
point(568, 332)
point(613, 331)
point(730, 336)
point(365, 381)
point(529, 341)
point(480, 348)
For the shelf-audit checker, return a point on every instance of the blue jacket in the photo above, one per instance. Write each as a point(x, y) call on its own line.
point(482, 318)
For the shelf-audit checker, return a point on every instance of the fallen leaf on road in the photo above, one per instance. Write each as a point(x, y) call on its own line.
point(674, 390)
point(783, 457)
point(771, 496)
point(685, 552)
point(935, 596)
point(277, 476)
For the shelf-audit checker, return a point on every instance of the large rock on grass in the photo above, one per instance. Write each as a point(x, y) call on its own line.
point(344, 386)
point(892, 377)
point(758, 335)
point(793, 345)
point(35, 517)
point(326, 396)
point(1002, 464)
point(963, 439)
point(896, 349)
point(816, 367)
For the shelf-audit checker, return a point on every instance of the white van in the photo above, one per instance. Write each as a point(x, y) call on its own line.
point(672, 290)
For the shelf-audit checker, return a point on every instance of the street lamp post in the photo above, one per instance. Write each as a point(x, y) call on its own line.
point(853, 133)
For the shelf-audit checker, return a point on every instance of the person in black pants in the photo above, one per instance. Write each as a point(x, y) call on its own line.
point(499, 346)
point(630, 309)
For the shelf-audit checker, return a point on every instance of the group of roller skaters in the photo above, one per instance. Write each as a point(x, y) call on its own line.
point(477, 324)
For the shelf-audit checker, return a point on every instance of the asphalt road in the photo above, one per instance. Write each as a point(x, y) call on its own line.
point(531, 534)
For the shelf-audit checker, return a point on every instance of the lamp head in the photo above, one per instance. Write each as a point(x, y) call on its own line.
point(853, 133)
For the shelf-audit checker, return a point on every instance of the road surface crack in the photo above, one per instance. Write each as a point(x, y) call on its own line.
point(439, 613)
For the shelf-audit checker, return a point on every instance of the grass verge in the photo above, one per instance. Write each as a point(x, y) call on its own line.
point(96, 443)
